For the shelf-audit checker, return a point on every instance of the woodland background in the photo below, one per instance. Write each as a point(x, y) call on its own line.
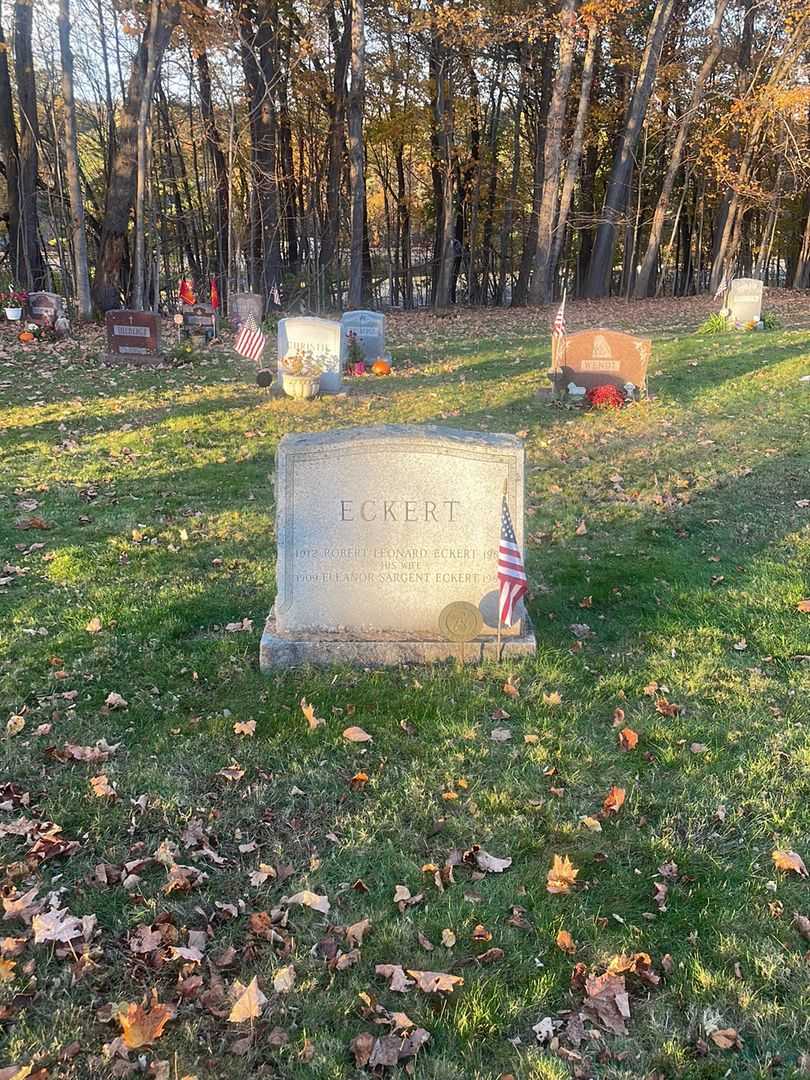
point(353, 152)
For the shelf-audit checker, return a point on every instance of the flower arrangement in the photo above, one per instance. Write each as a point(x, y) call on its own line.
point(301, 363)
point(605, 397)
point(355, 357)
point(13, 297)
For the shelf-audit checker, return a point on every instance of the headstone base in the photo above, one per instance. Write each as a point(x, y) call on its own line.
point(132, 360)
point(285, 651)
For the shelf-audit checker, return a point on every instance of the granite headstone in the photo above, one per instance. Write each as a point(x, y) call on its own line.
point(320, 340)
point(369, 329)
point(133, 337)
point(600, 357)
point(45, 309)
point(379, 529)
point(745, 300)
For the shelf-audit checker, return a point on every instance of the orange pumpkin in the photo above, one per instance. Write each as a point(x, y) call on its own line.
point(381, 367)
point(25, 336)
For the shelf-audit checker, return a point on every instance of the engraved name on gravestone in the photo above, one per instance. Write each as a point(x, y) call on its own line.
point(321, 339)
point(380, 528)
point(245, 304)
point(200, 319)
point(599, 357)
point(132, 334)
point(369, 328)
point(745, 300)
point(45, 308)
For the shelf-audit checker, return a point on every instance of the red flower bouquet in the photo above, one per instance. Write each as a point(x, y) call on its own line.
point(605, 397)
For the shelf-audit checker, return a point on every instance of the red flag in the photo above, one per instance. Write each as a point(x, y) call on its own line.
point(250, 341)
point(512, 585)
point(214, 294)
point(186, 292)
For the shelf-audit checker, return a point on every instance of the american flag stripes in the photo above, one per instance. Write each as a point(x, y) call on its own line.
point(724, 286)
point(512, 583)
point(250, 341)
point(559, 321)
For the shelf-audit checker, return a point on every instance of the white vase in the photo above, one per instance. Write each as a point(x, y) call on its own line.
point(13, 314)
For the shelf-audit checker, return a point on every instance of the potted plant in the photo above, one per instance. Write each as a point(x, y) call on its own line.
point(13, 300)
point(355, 358)
point(300, 376)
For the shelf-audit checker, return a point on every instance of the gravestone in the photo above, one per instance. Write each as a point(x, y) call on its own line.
point(200, 319)
point(45, 309)
point(379, 529)
point(321, 340)
point(745, 300)
point(600, 357)
point(133, 338)
point(244, 304)
point(369, 329)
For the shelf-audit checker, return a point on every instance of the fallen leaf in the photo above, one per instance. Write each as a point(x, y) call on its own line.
point(802, 925)
point(726, 1039)
point(55, 925)
point(308, 710)
point(284, 979)
point(565, 942)
point(434, 982)
point(628, 739)
point(698, 748)
point(356, 734)
point(562, 875)
point(115, 701)
point(500, 734)
point(94, 626)
point(581, 529)
point(591, 823)
point(607, 1002)
point(554, 698)
point(803, 606)
point(356, 932)
point(614, 800)
point(790, 860)
point(448, 939)
point(141, 1027)
point(248, 1001)
point(490, 864)
point(311, 900)
point(101, 787)
point(398, 981)
point(246, 727)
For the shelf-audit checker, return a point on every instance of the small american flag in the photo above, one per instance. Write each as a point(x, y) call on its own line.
point(275, 295)
point(559, 321)
point(250, 341)
point(724, 286)
point(512, 583)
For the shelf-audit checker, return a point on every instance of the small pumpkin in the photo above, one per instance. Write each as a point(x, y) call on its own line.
point(381, 367)
point(25, 336)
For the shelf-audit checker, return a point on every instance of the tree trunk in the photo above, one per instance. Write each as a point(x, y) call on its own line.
point(79, 235)
point(142, 177)
point(552, 155)
point(574, 154)
point(599, 272)
point(11, 159)
point(357, 97)
point(645, 282)
point(30, 270)
point(336, 108)
point(442, 120)
point(213, 142)
point(509, 207)
point(108, 283)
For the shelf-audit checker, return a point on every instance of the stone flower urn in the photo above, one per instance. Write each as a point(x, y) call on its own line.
point(301, 386)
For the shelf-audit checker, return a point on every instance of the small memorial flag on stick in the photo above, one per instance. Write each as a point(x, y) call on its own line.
point(724, 286)
point(558, 332)
point(214, 294)
point(512, 584)
point(187, 292)
point(250, 341)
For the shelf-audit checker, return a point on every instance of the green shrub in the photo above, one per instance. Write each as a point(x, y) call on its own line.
point(715, 324)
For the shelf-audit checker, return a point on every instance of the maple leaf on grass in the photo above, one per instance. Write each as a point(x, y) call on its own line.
point(248, 1001)
point(101, 786)
point(434, 982)
point(614, 800)
point(141, 1027)
point(565, 942)
point(628, 739)
point(308, 710)
point(562, 875)
point(55, 925)
point(726, 1039)
point(248, 727)
point(607, 1003)
point(790, 860)
point(311, 900)
point(398, 981)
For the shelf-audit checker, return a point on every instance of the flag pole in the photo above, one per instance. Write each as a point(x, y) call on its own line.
point(498, 641)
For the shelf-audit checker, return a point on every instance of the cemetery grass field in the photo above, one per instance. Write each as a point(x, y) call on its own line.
point(137, 509)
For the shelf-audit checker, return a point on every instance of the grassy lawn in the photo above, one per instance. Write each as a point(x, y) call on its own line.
point(156, 490)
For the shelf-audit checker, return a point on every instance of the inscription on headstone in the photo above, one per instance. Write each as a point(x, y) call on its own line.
point(244, 304)
point(369, 328)
point(321, 340)
point(200, 319)
point(598, 357)
point(745, 300)
point(45, 308)
point(132, 336)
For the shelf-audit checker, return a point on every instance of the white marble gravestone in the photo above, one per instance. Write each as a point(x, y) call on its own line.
point(745, 300)
point(369, 327)
point(321, 339)
point(378, 530)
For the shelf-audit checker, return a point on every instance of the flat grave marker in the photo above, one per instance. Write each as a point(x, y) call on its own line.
point(379, 530)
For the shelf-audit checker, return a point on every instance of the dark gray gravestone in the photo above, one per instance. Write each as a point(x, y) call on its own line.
point(133, 337)
point(45, 309)
point(200, 319)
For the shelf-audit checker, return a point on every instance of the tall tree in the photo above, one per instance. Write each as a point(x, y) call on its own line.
point(30, 269)
point(357, 98)
point(616, 196)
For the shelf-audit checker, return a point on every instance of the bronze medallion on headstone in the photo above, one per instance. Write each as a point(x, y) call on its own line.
point(600, 357)
point(460, 621)
point(133, 337)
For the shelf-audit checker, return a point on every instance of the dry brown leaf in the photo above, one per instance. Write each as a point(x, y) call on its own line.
point(397, 979)
point(434, 982)
point(628, 739)
point(311, 900)
point(614, 800)
point(308, 710)
point(284, 979)
point(591, 823)
point(562, 875)
point(726, 1038)
point(356, 932)
point(356, 734)
point(565, 942)
point(248, 1001)
point(102, 788)
point(246, 727)
point(448, 939)
point(141, 1027)
point(802, 925)
point(581, 529)
point(56, 925)
point(607, 1003)
point(94, 626)
point(115, 701)
point(803, 606)
point(790, 860)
